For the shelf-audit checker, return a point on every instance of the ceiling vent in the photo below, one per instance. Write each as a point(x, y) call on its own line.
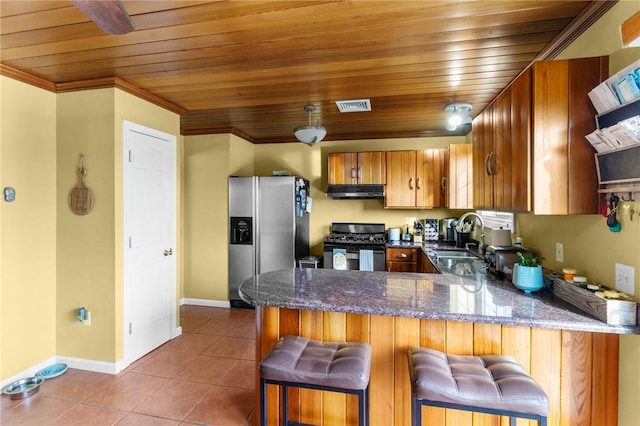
point(356, 105)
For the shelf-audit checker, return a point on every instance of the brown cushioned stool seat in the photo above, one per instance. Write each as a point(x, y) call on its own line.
point(300, 362)
point(494, 384)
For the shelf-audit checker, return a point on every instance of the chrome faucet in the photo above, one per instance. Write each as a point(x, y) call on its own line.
point(481, 247)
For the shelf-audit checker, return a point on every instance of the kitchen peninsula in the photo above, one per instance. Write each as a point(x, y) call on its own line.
point(573, 356)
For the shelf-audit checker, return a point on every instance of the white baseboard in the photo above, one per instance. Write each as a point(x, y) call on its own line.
point(205, 302)
point(93, 365)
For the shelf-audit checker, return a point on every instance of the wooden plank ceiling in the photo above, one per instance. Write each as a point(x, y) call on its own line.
point(249, 67)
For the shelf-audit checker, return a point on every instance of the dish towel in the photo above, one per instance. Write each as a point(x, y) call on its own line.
point(340, 259)
point(366, 260)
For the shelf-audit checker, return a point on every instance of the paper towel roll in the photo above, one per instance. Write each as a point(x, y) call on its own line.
point(501, 238)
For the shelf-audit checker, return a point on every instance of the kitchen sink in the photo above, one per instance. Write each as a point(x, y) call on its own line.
point(458, 262)
point(454, 254)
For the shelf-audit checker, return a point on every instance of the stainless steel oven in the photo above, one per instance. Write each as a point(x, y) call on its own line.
point(355, 246)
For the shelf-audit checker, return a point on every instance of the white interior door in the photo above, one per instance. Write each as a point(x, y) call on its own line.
point(150, 239)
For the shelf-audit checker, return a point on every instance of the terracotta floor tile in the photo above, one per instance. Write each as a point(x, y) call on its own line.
point(215, 327)
point(127, 392)
point(207, 369)
point(36, 410)
point(188, 324)
point(135, 419)
point(82, 415)
point(174, 400)
point(224, 406)
point(250, 354)
point(242, 375)
point(233, 347)
point(140, 361)
point(165, 364)
point(243, 328)
point(76, 385)
point(193, 343)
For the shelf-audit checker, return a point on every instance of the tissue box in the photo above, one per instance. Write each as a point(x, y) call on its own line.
point(614, 312)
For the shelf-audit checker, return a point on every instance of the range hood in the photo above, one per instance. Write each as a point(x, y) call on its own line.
point(355, 192)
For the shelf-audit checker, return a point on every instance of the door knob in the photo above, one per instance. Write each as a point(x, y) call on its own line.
point(168, 252)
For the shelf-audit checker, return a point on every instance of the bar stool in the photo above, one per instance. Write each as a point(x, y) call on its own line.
point(304, 363)
point(493, 384)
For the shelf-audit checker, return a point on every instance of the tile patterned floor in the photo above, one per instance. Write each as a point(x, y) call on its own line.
point(204, 377)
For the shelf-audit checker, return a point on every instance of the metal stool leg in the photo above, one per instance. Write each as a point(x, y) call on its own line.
point(363, 404)
point(416, 412)
point(263, 402)
point(285, 405)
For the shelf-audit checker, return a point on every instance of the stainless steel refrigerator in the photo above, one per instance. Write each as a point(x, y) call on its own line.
point(268, 226)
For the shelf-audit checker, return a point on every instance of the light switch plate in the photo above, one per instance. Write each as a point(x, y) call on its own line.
point(9, 194)
point(625, 279)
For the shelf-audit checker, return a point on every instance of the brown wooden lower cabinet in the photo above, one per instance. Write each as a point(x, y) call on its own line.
point(402, 260)
point(577, 370)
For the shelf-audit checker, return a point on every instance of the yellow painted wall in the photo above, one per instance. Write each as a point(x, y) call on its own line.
point(28, 226)
point(89, 269)
point(209, 160)
point(86, 245)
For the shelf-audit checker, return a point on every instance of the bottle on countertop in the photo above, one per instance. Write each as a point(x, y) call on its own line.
point(406, 236)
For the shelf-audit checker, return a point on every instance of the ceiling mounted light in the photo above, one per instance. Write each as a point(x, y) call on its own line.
point(310, 134)
point(458, 115)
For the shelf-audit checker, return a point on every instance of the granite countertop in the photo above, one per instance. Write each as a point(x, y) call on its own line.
point(472, 296)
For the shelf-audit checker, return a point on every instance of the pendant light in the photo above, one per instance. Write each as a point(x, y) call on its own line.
point(310, 134)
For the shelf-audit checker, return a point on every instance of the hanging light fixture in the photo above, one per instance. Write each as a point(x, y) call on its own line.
point(310, 134)
point(458, 115)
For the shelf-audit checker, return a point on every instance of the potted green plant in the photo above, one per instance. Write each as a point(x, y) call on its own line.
point(527, 275)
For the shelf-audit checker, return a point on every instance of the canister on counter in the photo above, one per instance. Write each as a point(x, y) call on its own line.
point(568, 273)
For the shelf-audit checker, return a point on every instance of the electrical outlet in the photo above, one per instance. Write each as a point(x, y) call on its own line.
point(87, 321)
point(625, 278)
point(559, 252)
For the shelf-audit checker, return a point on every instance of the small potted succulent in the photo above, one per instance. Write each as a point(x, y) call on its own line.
point(527, 275)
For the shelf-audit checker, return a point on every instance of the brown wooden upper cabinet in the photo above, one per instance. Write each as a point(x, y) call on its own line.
point(414, 179)
point(458, 177)
point(529, 150)
point(357, 168)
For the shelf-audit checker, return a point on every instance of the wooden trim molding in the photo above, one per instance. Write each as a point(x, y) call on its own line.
point(24, 77)
point(117, 82)
point(98, 83)
point(580, 23)
point(217, 131)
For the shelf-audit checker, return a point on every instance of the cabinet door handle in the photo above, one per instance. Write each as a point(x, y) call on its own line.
point(353, 173)
point(410, 183)
point(494, 163)
point(443, 185)
point(486, 164)
point(359, 173)
point(402, 255)
point(418, 183)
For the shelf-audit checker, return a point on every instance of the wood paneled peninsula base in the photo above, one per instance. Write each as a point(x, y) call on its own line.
point(572, 356)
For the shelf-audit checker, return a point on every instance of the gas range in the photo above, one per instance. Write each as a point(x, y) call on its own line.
point(357, 233)
point(350, 241)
